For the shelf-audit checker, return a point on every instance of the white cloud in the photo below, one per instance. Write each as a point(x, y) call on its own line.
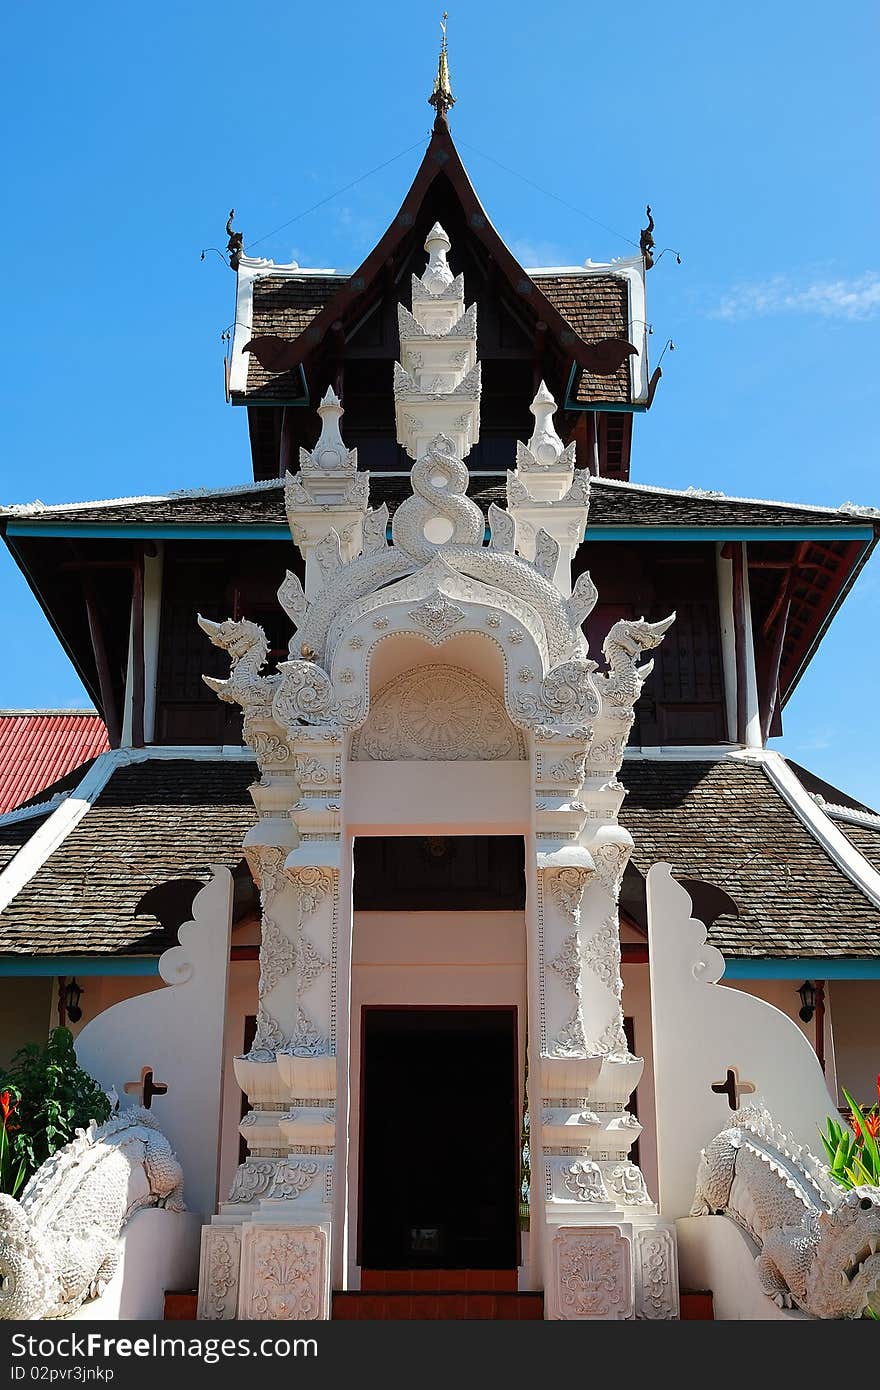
point(853, 299)
point(538, 253)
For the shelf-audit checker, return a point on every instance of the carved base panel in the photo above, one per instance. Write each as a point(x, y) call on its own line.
point(285, 1273)
point(656, 1273)
point(590, 1275)
point(265, 1271)
point(219, 1263)
point(611, 1269)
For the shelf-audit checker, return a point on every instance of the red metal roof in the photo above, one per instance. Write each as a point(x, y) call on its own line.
point(39, 746)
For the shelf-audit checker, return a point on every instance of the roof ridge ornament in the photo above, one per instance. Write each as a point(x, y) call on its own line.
point(441, 97)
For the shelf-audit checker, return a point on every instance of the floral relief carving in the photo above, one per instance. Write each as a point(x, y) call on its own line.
point(592, 1274)
point(601, 954)
point(272, 1177)
point(567, 964)
point(309, 964)
point(583, 1181)
point(570, 769)
point(306, 1040)
point(270, 749)
point(628, 1185)
point(437, 713)
point(314, 884)
point(437, 614)
point(268, 1037)
point(310, 770)
point(221, 1255)
point(283, 1273)
point(567, 888)
point(570, 1040)
point(567, 695)
point(656, 1282)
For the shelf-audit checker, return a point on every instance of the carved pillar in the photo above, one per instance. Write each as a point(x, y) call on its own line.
point(281, 1201)
point(592, 1198)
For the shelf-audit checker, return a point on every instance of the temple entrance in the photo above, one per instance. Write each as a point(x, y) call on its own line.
point(432, 1197)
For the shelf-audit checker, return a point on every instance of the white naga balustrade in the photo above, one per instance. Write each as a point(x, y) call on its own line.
point(599, 1248)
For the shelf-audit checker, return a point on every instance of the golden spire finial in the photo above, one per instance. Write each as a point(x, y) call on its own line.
point(441, 98)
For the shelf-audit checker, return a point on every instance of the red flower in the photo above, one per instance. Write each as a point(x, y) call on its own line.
point(7, 1105)
point(872, 1121)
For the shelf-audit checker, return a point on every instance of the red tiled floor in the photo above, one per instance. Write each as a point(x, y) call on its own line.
point(439, 1305)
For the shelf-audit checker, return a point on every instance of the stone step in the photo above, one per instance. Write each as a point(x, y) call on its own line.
point(696, 1307)
point(180, 1306)
point(446, 1305)
point(438, 1280)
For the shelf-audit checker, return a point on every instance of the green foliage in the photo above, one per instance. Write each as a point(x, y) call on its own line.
point(51, 1097)
point(12, 1169)
point(854, 1154)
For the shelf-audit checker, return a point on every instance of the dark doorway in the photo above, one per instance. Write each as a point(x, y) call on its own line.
point(439, 1139)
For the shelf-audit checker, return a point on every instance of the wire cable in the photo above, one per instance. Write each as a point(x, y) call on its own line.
point(330, 196)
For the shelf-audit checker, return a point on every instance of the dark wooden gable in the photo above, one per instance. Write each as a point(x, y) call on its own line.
point(352, 343)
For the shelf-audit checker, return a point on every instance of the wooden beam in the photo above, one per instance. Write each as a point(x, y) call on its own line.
point(739, 638)
point(772, 689)
point(820, 1022)
point(137, 649)
point(99, 651)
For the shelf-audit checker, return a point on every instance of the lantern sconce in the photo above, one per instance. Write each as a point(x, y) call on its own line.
point(73, 993)
point(807, 994)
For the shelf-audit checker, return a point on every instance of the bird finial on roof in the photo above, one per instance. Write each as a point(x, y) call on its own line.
point(441, 98)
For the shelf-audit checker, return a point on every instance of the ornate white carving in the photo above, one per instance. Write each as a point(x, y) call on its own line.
point(656, 1274)
point(591, 1274)
point(820, 1245)
point(438, 513)
point(218, 1273)
point(437, 614)
point(626, 1183)
point(567, 963)
point(314, 883)
point(283, 1273)
point(247, 647)
point(437, 713)
point(329, 454)
point(306, 1040)
point(273, 1177)
point(305, 695)
point(622, 685)
point(567, 696)
point(59, 1245)
point(583, 1181)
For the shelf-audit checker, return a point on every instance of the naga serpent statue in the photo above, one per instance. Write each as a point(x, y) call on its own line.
point(59, 1245)
point(819, 1246)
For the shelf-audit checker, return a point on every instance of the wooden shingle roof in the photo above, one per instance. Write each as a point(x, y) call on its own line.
point(612, 504)
point(721, 821)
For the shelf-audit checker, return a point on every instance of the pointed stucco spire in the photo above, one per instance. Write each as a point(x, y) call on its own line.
point(545, 444)
point(441, 98)
point(437, 276)
point(330, 452)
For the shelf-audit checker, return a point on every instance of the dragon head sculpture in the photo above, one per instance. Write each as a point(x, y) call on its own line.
point(846, 1271)
point(240, 638)
point(26, 1279)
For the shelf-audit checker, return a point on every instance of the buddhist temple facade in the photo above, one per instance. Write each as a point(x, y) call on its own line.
point(409, 717)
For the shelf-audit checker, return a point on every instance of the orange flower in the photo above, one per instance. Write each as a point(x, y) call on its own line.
point(872, 1120)
point(7, 1105)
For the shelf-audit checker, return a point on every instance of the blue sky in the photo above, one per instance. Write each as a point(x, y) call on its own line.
point(752, 131)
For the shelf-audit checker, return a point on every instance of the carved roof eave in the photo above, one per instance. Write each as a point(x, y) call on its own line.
point(441, 157)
